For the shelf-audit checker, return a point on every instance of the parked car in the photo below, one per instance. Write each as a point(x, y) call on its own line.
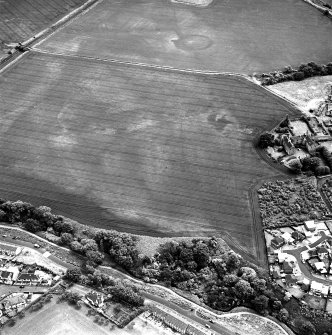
point(36, 245)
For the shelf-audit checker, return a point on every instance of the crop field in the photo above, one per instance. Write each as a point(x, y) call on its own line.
point(138, 150)
point(21, 19)
point(242, 36)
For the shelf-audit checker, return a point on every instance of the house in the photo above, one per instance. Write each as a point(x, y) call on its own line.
point(305, 286)
point(325, 290)
point(277, 242)
point(27, 279)
point(310, 225)
point(287, 267)
point(288, 145)
point(313, 253)
point(175, 324)
point(316, 288)
point(322, 253)
point(298, 236)
point(96, 299)
point(320, 267)
point(287, 237)
point(305, 255)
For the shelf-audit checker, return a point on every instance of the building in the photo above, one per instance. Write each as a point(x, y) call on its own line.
point(316, 288)
point(310, 225)
point(287, 237)
point(305, 286)
point(277, 242)
point(6, 277)
point(27, 279)
point(288, 145)
point(96, 299)
point(287, 267)
point(305, 255)
point(322, 253)
point(298, 236)
point(320, 267)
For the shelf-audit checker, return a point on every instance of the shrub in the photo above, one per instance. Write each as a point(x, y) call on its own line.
point(298, 76)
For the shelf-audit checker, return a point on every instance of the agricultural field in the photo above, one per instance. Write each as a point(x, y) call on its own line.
point(137, 150)
point(22, 19)
point(242, 36)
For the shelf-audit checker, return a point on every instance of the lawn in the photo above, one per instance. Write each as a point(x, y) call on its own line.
point(243, 36)
point(138, 150)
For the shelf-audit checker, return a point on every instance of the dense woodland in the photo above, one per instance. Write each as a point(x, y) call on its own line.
point(217, 276)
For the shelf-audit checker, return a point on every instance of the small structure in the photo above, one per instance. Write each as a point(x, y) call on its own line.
point(305, 286)
point(316, 288)
point(320, 267)
point(277, 242)
point(310, 225)
point(305, 255)
point(298, 236)
point(287, 267)
point(322, 253)
point(287, 237)
point(96, 299)
point(288, 145)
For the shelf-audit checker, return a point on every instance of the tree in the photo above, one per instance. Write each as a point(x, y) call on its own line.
point(261, 304)
point(233, 262)
point(66, 238)
point(76, 246)
point(95, 257)
point(266, 140)
point(283, 315)
point(295, 166)
point(243, 290)
point(73, 275)
point(298, 76)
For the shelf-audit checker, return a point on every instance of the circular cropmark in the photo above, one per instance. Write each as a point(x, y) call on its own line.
point(193, 42)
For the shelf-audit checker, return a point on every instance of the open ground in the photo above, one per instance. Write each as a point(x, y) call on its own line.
point(138, 150)
point(242, 36)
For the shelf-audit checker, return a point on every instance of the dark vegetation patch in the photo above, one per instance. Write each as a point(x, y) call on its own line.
point(290, 202)
point(297, 74)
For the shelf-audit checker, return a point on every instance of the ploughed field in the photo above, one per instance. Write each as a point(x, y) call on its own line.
point(21, 19)
point(134, 149)
point(242, 36)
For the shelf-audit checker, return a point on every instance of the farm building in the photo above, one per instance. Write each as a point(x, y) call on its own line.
point(27, 279)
